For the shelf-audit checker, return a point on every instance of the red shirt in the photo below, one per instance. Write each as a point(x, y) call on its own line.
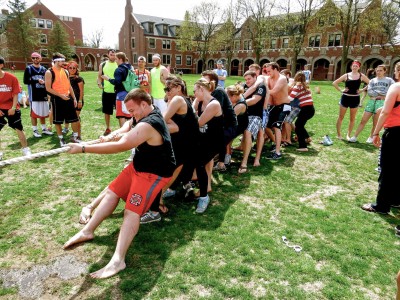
point(9, 86)
point(393, 120)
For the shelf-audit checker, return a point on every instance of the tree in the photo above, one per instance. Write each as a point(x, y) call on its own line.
point(391, 19)
point(198, 29)
point(96, 38)
point(58, 41)
point(258, 25)
point(22, 38)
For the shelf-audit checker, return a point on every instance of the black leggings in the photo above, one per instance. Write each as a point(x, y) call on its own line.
point(306, 113)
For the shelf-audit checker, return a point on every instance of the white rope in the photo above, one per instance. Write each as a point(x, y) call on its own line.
point(16, 160)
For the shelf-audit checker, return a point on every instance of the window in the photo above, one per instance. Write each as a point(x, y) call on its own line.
point(362, 40)
point(311, 41)
point(321, 22)
point(165, 29)
point(44, 52)
point(315, 41)
point(166, 44)
point(338, 37)
point(133, 42)
point(33, 22)
point(247, 45)
point(178, 45)
point(43, 38)
point(166, 59)
point(40, 23)
point(134, 58)
point(40, 12)
point(188, 60)
point(332, 20)
point(152, 43)
point(49, 24)
point(178, 59)
point(133, 28)
point(273, 44)
point(149, 57)
point(236, 45)
point(151, 27)
point(285, 43)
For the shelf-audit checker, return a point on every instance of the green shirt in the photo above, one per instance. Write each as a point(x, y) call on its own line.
point(108, 70)
point(157, 87)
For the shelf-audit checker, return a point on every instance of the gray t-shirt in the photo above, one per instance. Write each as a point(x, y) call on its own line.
point(379, 87)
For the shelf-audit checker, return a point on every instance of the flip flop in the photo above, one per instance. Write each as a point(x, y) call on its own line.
point(369, 208)
point(85, 215)
point(242, 170)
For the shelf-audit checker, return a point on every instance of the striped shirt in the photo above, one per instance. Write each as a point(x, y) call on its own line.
point(302, 94)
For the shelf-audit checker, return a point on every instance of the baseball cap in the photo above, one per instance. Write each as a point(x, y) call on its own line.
point(35, 54)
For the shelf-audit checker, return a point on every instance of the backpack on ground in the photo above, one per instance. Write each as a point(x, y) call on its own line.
point(132, 81)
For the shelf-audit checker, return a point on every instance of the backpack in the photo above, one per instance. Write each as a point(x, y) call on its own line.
point(131, 82)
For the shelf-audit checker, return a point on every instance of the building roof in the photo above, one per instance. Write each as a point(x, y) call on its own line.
point(142, 19)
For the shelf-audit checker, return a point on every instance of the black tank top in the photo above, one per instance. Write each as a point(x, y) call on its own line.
point(353, 85)
point(160, 159)
point(226, 105)
point(211, 133)
point(243, 119)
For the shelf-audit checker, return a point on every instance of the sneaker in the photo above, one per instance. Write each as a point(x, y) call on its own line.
point(107, 132)
point(378, 169)
point(26, 151)
point(274, 156)
point(65, 130)
point(36, 133)
point(189, 188)
point(47, 132)
point(169, 193)
point(397, 228)
point(369, 140)
point(203, 204)
point(352, 139)
point(150, 218)
point(76, 139)
point(227, 160)
point(62, 142)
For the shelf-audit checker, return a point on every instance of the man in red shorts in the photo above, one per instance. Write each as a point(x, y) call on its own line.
point(139, 183)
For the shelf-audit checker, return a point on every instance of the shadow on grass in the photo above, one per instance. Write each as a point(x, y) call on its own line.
point(154, 243)
point(366, 147)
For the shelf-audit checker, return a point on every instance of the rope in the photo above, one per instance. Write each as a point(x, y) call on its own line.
point(16, 160)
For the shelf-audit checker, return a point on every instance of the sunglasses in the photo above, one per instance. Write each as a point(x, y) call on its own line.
point(34, 57)
point(72, 68)
point(167, 89)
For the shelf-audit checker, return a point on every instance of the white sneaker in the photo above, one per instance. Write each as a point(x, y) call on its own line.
point(352, 139)
point(227, 159)
point(26, 151)
point(47, 132)
point(369, 140)
point(36, 133)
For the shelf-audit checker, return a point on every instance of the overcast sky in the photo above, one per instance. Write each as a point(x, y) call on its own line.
point(109, 15)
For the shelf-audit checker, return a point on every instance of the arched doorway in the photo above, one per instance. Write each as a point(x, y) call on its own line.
point(90, 62)
point(211, 65)
point(200, 66)
point(282, 63)
point(300, 64)
point(247, 64)
point(235, 67)
point(264, 61)
point(75, 57)
point(372, 63)
point(320, 69)
point(338, 68)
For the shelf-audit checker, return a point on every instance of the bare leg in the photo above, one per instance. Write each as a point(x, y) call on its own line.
point(353, 112)
point(364, 121)
point(260, 144)
point(247, 147)
point(342, 112)
point(22, 138)
point(374, 122)
point(107, 119)
point(173, 178)
point(58, 129)
point(129, 228)
point(88, 209)
point(278, 138)
point(76, 127)
point(209, 167)
point(105, 209)
point(34, 121)
point(398, 287)
point(121, 121)
point(269, 133)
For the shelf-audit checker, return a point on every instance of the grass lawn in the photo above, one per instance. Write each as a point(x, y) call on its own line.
point(235, 249)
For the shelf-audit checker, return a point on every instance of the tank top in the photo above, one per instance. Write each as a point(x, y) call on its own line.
point(211, 133)
point(61, 81)
point(109, 69)
point(158, 160)
point(393, 120)
point(226, 105)
point(353, 85)
point(157, 87)
point(243, 119)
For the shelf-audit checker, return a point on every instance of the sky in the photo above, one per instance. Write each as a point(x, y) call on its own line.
point(109, 15)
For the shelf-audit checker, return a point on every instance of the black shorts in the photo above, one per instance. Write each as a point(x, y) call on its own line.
point(277, 116)
point(13, 121)
point(108, 102)
point(350, 101)
point(63, 110)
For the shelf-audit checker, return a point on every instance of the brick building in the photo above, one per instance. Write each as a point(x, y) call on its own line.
point(322, 47)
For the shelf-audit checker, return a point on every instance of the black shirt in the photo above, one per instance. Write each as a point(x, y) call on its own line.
point(226, 105)
point(257, 109)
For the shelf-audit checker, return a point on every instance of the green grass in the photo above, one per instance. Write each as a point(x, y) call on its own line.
point(234, 250)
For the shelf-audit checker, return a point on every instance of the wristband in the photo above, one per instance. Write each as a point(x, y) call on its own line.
point(375, 134)
point(83, 149)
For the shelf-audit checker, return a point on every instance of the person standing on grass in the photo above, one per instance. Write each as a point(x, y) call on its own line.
point(108, 95)
point(34, 78)
point(9, 107)
point(158, 76)
point(388, 192)
point(143, 74)
point(138, 184)
point(307, 74)
point(350, 96)
point(221, 73)
point(377, 90)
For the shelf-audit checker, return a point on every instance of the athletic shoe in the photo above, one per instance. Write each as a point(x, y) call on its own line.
point(227, 160)
point(36, 133)
point(169, 193)
point(150, 218)
point(26, 151)
point(203, 204)
point(107, 132)
point(47, 132)
point(65, 130)
point(397, 228)
point(352, 139)
point(274, 156)
point(62, 142)
point(76, 139)
point(369, 140)
point(189, 188)
point(378, 169)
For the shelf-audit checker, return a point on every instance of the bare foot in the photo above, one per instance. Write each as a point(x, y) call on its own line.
point(256, 163)
point(109, 270)
point(78, 238)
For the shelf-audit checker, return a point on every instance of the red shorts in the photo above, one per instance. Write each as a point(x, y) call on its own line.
point(137, 189)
